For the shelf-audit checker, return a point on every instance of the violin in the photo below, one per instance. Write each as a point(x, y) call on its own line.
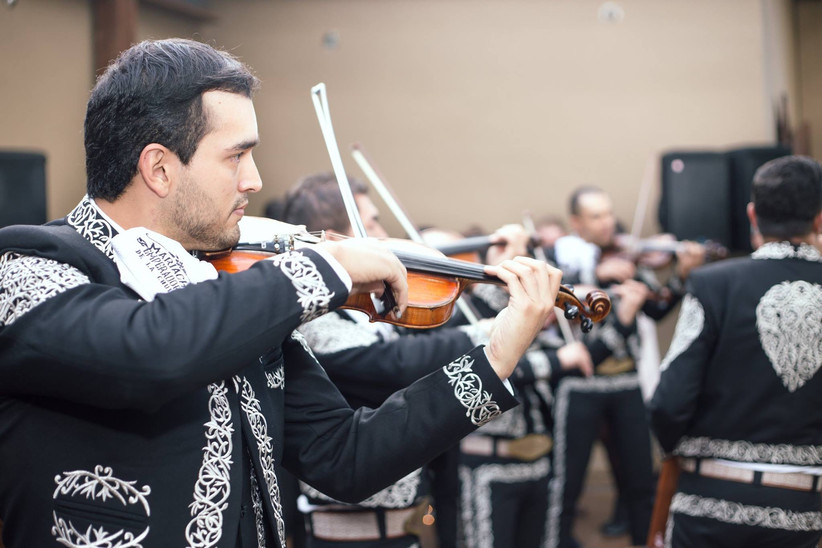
point(434, 285)
point(657, 252)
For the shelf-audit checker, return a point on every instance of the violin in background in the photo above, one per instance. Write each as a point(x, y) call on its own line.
point(658, 251)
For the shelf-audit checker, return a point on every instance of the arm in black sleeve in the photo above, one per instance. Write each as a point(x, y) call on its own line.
point(350, 454)
point(99, 345)
point(368, 366)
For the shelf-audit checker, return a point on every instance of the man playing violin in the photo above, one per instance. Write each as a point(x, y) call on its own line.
point(368, 361)
point(146, 400)
point(738, 398)
point(608, 405)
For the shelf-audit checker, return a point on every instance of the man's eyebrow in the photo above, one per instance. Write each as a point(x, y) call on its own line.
point(245, 145)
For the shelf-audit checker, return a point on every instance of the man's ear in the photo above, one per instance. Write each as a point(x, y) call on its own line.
point(817, 223)
point(156, 167)
point(573, 222)
point(752, 216)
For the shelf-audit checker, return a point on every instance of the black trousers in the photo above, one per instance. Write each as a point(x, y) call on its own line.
point(504, 502)
point(713, 513)
point(581, 406)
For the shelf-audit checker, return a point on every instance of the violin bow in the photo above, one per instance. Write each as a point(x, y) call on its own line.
point(320, 100)
point(390, 200)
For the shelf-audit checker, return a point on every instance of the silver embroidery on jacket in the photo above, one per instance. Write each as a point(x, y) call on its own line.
point(213, 485)
point(468, 391)
point(276, 378)
point(265, 447)
point(401, 494)
point(789, 322)
point(312, 294)
point(28, 281)
point(786, 250)
point(99, 485)
point(745, 451)
point(332, 333)
point(91, 225)
point(257, 507)
point(743, 514)
point(688, 327)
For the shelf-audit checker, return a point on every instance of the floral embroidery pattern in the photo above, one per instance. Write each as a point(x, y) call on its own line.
point(312, 294)
point(276, 378)
point(99, 485)
point(91, 225)
point(468, 391)
point(688, 327)
point(789, 322)
point(265, 447)
point(213, 486)
point(29, 281)
point(257, 506)
point(743, 514)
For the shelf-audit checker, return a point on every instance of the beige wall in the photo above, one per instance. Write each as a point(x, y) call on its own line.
point(45, 75)
point(474, 111)
point(809, 18)
point(477, 110)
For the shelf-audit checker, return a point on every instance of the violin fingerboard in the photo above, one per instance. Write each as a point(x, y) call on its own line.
point(281, 243)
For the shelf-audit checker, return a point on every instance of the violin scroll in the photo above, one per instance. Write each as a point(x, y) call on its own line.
point(596, 307)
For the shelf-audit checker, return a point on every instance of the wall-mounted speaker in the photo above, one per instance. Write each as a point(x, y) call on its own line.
point(22, 188)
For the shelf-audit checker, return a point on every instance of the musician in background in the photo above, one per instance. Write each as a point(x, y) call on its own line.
point(609, 405)
point(600, 255)
point(738, 397)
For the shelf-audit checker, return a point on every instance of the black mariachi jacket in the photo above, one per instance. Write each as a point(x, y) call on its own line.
point(740, 380)
point(132, 424)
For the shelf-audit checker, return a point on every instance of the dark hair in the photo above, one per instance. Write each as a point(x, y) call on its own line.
point(152, 93)
point(316, 202)
point(787, 195)
point(579, 192)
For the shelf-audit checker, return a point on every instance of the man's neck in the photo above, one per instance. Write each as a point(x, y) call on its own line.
point(810, 239)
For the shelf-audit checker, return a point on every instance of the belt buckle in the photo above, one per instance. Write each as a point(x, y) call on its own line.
point(530, 447)
point(614, 366)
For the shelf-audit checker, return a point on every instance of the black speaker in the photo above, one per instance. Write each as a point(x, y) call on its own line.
point(744, 162)
point(22, 188)
point(695, 203)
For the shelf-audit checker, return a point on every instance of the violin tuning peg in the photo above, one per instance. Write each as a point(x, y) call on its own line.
point(586, 324)
point(571, 312)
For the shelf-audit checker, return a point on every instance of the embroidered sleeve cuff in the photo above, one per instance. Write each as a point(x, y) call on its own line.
point(342, 273)
point(478, 388)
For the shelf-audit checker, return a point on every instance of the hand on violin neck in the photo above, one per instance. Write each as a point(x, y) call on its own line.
point(689, 255)
point(615, 269)
point(533, 287)
point(372, 267)
point(632, 295)
point(516, 240)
